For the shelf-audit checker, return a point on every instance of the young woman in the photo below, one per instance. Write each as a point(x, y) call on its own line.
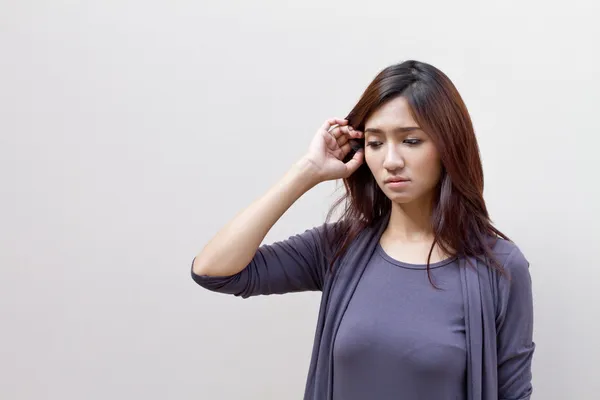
point(423, 298)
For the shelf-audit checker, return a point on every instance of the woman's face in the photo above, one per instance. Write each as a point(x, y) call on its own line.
point(396, 148)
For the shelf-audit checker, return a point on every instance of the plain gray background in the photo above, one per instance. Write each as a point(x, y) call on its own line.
point(131, 131)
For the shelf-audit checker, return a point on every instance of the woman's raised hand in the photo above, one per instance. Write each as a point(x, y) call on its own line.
point(330, 146)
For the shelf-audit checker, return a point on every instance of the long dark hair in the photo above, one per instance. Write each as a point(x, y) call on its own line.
point(460, 220)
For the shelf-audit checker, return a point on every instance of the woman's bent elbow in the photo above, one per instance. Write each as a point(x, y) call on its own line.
point(197, 268)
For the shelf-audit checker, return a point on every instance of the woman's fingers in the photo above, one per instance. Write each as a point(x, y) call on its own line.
point(331, 141)
point(345, 132)
point(345, 149)
point(337, 135)
point(355, 162)
point(339, 139)
point(333, 121)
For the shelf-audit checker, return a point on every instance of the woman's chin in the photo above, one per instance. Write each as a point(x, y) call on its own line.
point(400, 198)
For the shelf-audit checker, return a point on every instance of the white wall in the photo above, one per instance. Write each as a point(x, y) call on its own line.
point(130, 131)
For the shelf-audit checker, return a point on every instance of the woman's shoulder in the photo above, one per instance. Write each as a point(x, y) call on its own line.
point(329, 231)
point(510, 256)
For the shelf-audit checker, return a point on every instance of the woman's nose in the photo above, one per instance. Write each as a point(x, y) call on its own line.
point(393, 159)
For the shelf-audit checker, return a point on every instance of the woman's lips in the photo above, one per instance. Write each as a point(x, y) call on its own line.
point(397, 184)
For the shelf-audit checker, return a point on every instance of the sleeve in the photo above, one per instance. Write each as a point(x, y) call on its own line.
point(514, 328)
point(293, 265)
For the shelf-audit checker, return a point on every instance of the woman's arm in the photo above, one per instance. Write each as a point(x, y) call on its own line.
point(296, 264)
point(232, 261)
point(515, 330)
point(234, 246)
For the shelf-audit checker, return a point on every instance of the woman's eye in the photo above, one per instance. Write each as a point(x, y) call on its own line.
point(410, 142)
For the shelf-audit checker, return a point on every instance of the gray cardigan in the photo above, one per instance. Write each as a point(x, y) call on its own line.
point(498, 312)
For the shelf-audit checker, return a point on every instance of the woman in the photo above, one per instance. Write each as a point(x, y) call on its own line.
point(423, 298)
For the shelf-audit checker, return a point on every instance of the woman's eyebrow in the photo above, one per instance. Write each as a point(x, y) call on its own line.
point(395, 130)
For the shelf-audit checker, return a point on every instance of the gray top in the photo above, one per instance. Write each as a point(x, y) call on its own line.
point(498, 311)
point(400, 337)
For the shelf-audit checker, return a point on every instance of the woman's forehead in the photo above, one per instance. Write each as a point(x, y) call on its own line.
point(394, 114)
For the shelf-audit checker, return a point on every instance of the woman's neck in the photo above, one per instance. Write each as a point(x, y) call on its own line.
point(410, 222)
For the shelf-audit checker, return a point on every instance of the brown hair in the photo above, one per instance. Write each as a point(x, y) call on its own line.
point(460, 220)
